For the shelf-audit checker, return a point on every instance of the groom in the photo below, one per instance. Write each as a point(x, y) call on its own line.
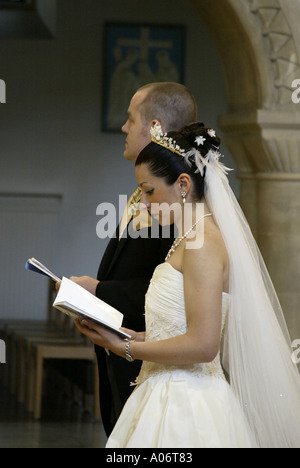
point(128, 263)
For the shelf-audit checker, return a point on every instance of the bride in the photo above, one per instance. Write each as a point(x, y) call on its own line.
point(211, 306)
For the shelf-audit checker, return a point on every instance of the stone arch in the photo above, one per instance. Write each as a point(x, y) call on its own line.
point(259, 45)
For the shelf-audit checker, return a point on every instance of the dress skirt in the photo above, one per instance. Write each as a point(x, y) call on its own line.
point(184, 411)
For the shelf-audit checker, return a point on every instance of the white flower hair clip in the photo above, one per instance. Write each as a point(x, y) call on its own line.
point(200, 140)
point(210, 161)
point(211, 133)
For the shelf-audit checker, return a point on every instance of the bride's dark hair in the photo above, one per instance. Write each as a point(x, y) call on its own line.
point(168, 165)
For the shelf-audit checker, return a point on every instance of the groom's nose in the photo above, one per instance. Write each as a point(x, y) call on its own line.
point(125, 128)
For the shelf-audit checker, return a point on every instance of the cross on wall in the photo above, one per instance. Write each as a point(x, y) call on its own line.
point(144, 43)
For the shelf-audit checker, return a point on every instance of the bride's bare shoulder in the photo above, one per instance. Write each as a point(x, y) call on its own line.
point(206, 247)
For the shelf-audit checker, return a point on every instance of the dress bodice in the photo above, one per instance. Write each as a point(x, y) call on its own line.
point(190, 406)
point(166, 318)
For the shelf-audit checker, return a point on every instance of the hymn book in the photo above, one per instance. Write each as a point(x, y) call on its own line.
point(75, 301)
point(34, 265)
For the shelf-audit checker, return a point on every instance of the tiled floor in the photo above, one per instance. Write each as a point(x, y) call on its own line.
point(63, 425)
point(51, 435)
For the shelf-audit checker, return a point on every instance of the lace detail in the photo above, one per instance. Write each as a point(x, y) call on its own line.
point(150, 370)
point(166, 318)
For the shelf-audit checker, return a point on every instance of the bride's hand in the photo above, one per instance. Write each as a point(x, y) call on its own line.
point(104, 338)
point(100, 336)
point(136, 336)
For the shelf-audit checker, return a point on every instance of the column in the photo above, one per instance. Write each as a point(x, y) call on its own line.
point(266, 146)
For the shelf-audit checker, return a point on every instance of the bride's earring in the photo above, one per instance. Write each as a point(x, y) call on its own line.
point(183, 194)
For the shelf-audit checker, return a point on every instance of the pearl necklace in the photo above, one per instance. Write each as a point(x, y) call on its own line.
point(178, 241)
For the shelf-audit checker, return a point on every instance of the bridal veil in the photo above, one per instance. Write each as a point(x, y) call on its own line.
point(257, 344)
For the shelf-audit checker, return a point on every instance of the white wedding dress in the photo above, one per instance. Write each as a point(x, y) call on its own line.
point(190, 406)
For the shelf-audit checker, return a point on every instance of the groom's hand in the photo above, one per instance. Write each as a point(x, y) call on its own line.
point(88, 283)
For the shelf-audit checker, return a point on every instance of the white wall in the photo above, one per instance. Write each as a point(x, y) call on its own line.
point(50, 128)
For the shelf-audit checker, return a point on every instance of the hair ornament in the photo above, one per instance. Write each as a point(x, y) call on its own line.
point(200, 140)
point(162, 139)
point(211, 159)
point(211, 133)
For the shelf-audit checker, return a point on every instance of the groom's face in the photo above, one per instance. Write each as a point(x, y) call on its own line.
point(138, 133)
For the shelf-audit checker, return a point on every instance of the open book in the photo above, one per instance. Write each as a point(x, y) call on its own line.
point(34, 265)
point(77, 302)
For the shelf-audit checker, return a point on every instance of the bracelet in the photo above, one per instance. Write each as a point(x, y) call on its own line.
point(127, 350)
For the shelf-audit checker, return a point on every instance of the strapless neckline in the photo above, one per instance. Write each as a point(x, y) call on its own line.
point(181, 274)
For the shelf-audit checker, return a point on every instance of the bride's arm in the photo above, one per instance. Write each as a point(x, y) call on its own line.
point(203, 273)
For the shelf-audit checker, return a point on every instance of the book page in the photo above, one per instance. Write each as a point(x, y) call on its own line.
point(36, 266)
point(74, 296)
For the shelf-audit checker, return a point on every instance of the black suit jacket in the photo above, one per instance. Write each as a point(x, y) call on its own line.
point(124, 274)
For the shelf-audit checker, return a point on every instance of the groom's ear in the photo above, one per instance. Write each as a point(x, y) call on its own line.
point(158, 122)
